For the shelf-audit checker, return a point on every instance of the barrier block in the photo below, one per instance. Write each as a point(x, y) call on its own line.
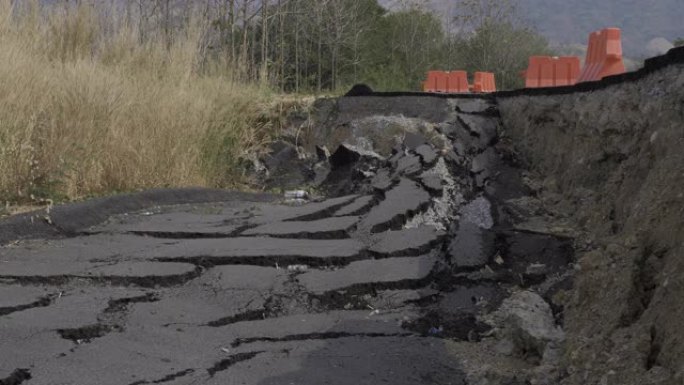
point(484, 82)
point(547, 76)
point(566, 71)
point(547, 71)
point(446, 82)
point(437, 81)
point(458, 82)
point(492, 83)
point(604, 55)
point(533, 72)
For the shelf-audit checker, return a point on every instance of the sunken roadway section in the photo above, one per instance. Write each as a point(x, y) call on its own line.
point(414, 266)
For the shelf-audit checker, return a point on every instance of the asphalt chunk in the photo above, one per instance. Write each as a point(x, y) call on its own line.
point(432, 182)
point(427, 154)
point(264, 251)
point(411, 241)
point(400, 203)
point(263, 214)
point(371, 271)
point(472, 246)
point(141, 269)
point(176, 224)
point(382, 180)
point(408, 165)
point(327, 228)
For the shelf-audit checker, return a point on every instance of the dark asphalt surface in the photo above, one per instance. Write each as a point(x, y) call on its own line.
point(374, 287)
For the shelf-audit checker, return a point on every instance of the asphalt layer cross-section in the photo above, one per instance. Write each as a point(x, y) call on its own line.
point(381, 286)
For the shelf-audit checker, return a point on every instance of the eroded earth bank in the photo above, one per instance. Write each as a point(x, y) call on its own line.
point(610, 160)
point(509, 239)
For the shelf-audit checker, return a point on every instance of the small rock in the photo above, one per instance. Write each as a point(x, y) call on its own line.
point(427, 154)
point(382, 180)
point(471, 247)
point(297, 268)
point(296, 194)
point(478, 212)
point(483, 162)
point(432, 182)
point(321, 171)
point(526, 320)
point(408, 165)
point(459, 149)
point(536, 269)
point(453, 157)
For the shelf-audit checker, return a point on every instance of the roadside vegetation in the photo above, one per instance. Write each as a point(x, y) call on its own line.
point(102, 97)
point(88, 108)
point(318, 45)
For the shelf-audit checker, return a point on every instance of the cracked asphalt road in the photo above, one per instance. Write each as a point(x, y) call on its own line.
point(386, 284)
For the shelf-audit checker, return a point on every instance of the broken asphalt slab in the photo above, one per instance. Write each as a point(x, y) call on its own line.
point(71, 218)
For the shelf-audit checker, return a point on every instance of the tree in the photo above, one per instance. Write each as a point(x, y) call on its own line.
point(402, 48)
point(492, 38)
point(502, 49)
point(328, 45)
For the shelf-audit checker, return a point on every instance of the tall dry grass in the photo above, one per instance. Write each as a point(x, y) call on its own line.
point(87, 108)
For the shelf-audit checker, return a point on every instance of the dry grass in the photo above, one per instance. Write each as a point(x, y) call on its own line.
point(87, 109)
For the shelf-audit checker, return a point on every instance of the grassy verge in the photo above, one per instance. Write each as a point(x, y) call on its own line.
point(87, 109)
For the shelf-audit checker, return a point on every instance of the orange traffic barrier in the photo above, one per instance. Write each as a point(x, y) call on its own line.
point(446, 82)
point(567, 70)
point(458, 82)
point(547, 71)
point(436, 82)
point(604, 55)
point(484, 82)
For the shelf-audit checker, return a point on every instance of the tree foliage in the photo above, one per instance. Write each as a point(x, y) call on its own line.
point(494, 39)
point(402, 47)
point(328, 45)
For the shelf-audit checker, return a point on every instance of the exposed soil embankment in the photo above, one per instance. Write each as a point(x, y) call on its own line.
point(608, 157)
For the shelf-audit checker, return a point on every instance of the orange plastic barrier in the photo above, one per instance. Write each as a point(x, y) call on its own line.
point(436, 82)
point(547, 71)
point(446, 82)
point(604, 55)
point(458, 82)
point(567, 70)
point(484, 82)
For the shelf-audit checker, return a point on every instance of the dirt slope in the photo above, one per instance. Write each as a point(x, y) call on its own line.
point(610, 160)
